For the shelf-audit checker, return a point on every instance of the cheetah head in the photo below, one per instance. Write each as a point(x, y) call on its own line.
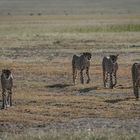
point(114, 58)
point(6, 72)
point(87, 55)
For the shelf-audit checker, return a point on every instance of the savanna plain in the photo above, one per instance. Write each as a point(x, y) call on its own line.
point(46, 104)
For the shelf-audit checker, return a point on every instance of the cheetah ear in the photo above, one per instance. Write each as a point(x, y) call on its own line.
point(84, 53)
point(3, 70)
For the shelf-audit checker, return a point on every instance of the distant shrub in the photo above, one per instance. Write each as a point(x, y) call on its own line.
point(31, 14)
point(39, 14)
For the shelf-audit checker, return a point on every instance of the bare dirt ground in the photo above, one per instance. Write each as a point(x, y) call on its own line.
point(44, 96)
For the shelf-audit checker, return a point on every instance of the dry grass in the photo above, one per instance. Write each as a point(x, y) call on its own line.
point(74, 135)
point(41, 64)
point(36, 100)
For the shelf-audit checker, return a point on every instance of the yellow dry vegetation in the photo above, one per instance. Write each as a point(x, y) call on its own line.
point(40, 59)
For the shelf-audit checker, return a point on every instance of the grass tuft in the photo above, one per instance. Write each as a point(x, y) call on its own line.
point(72, 135)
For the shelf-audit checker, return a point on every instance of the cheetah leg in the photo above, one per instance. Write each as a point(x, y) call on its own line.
point(4, 102)
point(106, 78)
point(115, 77)
point(10, 98)
point(87, 72)
point(111, 82)
point(136, 89)
point(81, 77)
point(74, 74)
point(136, 92)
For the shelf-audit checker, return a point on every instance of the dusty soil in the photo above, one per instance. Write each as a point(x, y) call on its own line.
point(67, 106)
point(44, 96)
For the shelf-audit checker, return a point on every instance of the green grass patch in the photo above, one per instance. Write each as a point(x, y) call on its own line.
point(26, 31)
point(103, 28)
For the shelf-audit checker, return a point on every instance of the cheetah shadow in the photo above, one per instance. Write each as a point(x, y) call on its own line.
point(123, 87)
point(88, 89)
point(118, 100)
point(58, 86)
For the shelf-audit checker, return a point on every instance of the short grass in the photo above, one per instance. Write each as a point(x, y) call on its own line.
point(70, 24)
point(39, 52)
point(74, 135)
